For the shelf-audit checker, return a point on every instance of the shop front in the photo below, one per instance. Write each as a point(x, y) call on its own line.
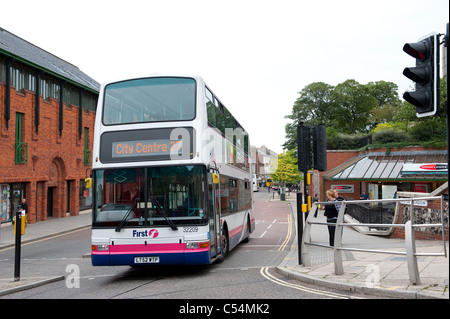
point(11, 195)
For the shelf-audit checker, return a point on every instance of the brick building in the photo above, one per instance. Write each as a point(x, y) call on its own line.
point(45, 138)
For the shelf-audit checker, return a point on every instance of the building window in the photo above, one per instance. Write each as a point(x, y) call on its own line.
point(87, 151)
point(49, 88)
point(22, 78)
point(89, 102)
point(71, 96)
point(20, 146)
point(2, 70)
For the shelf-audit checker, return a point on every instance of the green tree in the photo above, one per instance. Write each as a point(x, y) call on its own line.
point(291, 136)
point(384, 92)
point(389, 102)
point(430, 128)
point(385, 113)
point(351, 109)
point(286, 170)
point(353, 106)
point(314, 106)
point(406, 113)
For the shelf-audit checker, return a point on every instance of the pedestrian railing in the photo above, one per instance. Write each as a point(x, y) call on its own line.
point(409, 227)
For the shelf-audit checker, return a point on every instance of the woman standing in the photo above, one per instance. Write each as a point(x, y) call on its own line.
point(331, 213)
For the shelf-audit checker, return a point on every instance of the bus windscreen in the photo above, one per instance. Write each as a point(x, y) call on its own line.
point(149, 100)
point(172, 195)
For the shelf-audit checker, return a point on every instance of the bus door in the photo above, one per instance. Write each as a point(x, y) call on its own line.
point(214, 213)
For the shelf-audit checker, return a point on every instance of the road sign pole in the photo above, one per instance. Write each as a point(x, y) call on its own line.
point(18, 245)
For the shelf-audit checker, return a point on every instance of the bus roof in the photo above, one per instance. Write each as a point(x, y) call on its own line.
point(154, 75)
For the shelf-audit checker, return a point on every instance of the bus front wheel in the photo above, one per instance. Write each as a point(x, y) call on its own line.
point(225, 244)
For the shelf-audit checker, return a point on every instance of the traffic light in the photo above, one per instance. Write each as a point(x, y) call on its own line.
point(425, 74)
point(304, 147)
point(320, 148)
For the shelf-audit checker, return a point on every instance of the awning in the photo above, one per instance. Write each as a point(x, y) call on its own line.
point(392, 166)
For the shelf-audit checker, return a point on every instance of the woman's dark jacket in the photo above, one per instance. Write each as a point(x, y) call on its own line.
point(330, 211)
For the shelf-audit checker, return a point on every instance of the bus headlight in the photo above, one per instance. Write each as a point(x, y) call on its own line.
point(191, 245)
point(197, 245)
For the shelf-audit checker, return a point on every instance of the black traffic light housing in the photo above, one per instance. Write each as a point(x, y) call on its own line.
point(304, 147)
point(320, 148)
point(425, 74)
point(316, 159)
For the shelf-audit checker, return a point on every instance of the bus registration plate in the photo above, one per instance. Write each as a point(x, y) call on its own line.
point(146, 260)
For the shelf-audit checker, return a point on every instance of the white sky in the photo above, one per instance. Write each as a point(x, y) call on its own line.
point(256, 55)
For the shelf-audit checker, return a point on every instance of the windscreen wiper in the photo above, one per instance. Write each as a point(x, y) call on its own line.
point(125, 218)
point(169, 221)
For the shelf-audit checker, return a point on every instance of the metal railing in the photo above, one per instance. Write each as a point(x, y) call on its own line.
point(379, 213)
point(87, 160)
point(21, 153)
point(409, 227)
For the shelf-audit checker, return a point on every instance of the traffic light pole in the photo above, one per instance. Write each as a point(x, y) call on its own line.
point(301, 214)
point(446, 106)
point(305, 163)
point(305, 156)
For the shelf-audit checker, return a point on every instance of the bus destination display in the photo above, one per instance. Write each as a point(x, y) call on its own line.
point(145, 147)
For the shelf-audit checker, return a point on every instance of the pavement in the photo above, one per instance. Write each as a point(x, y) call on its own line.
point(380, 274)
point(35, 232)
point(384, 275)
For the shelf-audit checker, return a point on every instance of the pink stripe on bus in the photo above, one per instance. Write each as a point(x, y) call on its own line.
point(152, 248)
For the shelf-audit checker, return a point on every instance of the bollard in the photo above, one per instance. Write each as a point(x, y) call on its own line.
point(411, 258)
point(18, 232)
point(299, 226)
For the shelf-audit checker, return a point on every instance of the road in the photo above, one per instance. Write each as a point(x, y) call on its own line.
point(247, 273)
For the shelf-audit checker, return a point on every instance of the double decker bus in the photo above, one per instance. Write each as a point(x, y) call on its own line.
point(171, 174)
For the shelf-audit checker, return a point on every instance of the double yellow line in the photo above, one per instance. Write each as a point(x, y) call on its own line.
point(288, 236)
